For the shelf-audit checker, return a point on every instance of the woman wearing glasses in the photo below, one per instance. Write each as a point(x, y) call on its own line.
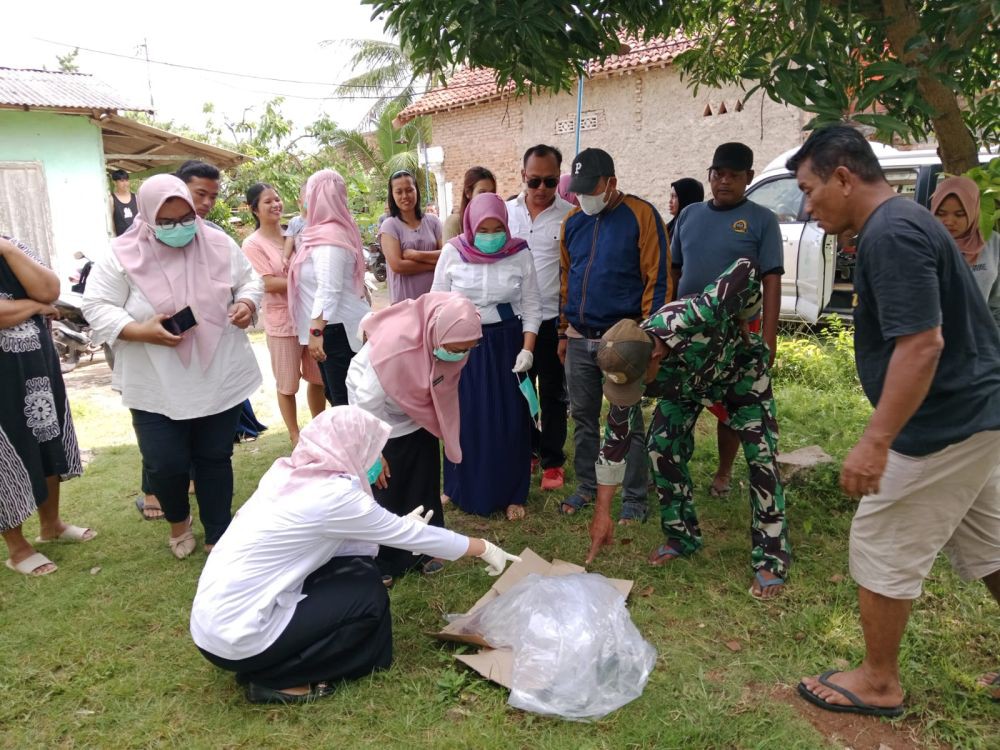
point(407, 375)
point(477, 180)
point(184, 378)
point(326, 282)
point(487, 265)
point(411, 240)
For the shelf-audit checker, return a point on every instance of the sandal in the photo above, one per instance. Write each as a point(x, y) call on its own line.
point(765, 583)
point(70, 534)
point(140, 505)
point(857, 706)
point(574, 503)
point(432, 566)
point(183, 545)
point(516, 512)
point(259, 694)
point(633, 511)
point(717, 489)
point(30, 564)
point(663, 554)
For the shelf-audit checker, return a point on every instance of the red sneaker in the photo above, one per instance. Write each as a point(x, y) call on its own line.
point(553, 479)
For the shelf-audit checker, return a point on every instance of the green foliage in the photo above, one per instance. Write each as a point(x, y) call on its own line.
point(67, 62)
point(987, 177)
point(386, 74)
point(822, 360)
point(828, 57)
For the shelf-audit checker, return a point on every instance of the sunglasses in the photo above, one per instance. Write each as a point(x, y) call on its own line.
point(535, 182)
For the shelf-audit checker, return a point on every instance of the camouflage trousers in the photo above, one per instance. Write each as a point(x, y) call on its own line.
point(670, 441)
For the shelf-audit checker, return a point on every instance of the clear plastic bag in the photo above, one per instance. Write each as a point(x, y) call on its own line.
point(577, 653)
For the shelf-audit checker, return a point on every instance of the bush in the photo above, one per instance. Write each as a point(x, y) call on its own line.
point(822, 360)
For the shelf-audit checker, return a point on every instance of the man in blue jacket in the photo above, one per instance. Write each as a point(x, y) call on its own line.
point(615, 262)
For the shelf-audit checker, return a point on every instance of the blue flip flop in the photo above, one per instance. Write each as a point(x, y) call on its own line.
point(857, 706)
point(764, 583)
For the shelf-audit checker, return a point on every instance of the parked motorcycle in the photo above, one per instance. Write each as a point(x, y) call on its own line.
point(375, 260)
point(71, 331)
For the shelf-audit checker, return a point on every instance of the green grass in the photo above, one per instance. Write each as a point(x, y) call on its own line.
point(104, 659)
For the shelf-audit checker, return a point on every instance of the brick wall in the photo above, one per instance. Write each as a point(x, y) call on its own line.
point(649, 122)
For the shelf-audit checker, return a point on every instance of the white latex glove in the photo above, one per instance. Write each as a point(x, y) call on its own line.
point(416, 515)
point(496, 559)
point(524, 361)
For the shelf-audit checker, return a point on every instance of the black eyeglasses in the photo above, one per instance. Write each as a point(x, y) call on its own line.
point(400, 173)
point(535, 182)
point(187, 221)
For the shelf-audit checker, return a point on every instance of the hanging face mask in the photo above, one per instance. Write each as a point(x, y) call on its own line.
point(490, 242)
point(178, 235)
point(527, 389)
point(375, 471)
point(445, 356)
point(592, 204)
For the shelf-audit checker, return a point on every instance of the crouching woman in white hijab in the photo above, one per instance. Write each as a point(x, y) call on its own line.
point(290, 598)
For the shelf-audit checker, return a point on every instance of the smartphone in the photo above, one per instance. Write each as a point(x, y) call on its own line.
point(180, 321)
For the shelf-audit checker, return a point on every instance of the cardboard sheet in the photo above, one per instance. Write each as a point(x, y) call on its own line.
point(496, 664)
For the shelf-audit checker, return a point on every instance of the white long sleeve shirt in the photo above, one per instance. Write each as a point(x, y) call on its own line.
point(253, 579)
point(365, 391)
point(151, 377)
point(326, 290)
point(542, 236)
point(511, 280)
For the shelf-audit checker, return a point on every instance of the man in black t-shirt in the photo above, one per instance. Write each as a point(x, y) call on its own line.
point(928, 356)
point(122, 202)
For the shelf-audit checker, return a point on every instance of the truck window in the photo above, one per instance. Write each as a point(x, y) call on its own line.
point(781, 195)
point(903, 181)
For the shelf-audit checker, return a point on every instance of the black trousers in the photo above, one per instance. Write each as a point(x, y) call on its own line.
point(171, 449)
point(550, 378)
point(338, 359)
point(415, 463)
point(342, 630)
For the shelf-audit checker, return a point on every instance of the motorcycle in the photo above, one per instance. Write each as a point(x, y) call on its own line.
point(375, 260)
point(71, 331)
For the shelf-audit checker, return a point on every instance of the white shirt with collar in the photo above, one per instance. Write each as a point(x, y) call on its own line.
point(365, 391)
point(542, 235)
point(326, 290)
point(151, 377)
point(253, 579)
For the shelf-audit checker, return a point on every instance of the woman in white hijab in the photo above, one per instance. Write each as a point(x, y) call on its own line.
point(290, 598)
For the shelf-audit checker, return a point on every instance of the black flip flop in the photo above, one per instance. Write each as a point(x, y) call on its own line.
point(857, 706)
point(260, 694)
point(140, 505)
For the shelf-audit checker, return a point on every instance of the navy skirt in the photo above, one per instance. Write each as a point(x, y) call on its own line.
point(496, 427)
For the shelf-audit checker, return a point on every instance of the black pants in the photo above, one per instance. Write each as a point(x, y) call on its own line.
point(548, 373)
point(342, 630)
point(415, 463)
point(338, 359)
point(171, 448)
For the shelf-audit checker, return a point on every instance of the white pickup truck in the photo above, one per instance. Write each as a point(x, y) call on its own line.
point(819, 269)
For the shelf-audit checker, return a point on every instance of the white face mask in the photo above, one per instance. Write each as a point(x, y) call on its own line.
point(592, 204)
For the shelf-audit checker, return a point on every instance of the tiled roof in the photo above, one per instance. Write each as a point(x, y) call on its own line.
point(48, 89)
point(471, 86)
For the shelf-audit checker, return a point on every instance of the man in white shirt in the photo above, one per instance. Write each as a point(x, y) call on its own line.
point(536, 216)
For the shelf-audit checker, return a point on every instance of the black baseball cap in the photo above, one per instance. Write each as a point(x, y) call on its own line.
point(589, 166)
point(733, 155)
point(623, 356)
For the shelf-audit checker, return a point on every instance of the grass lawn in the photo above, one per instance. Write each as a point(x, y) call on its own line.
point(98, 654)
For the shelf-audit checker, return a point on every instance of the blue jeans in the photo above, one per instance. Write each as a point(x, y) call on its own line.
point(171, 448)
point(584, 381)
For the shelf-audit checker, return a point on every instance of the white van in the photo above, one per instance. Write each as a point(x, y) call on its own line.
point(819, 270)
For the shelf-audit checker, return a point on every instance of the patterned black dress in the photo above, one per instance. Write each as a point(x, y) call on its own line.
point(37, 439)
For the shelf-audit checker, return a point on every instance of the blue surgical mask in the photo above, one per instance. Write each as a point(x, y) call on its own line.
point(374, 471)
point(445, 356)
point(178, 235)
point(528, 391)
point(490, 242)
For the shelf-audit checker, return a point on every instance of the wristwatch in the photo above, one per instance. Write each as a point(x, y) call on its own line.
point(316, 332)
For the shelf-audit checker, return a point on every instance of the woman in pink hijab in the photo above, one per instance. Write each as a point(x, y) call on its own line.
point(326, 282)
point(491, 268)
point(290, 600)
point(955, 204)
point(174, 299)
point(407, 374)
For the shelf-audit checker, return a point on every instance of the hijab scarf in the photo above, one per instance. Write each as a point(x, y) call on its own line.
point(485, 206)
point(971, 242)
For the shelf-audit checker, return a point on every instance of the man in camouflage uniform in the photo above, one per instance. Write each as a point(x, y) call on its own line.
point(691, 354)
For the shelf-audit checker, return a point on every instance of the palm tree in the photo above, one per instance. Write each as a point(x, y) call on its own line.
point(387, 74)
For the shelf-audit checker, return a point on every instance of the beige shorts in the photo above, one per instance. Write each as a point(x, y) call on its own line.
point(290, 361)
point(949, 500)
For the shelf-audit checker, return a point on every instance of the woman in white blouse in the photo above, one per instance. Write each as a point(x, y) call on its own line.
point(492, 269)
point(326, 282)
point(290, 599)
point(185, 388)
point(407, 374)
